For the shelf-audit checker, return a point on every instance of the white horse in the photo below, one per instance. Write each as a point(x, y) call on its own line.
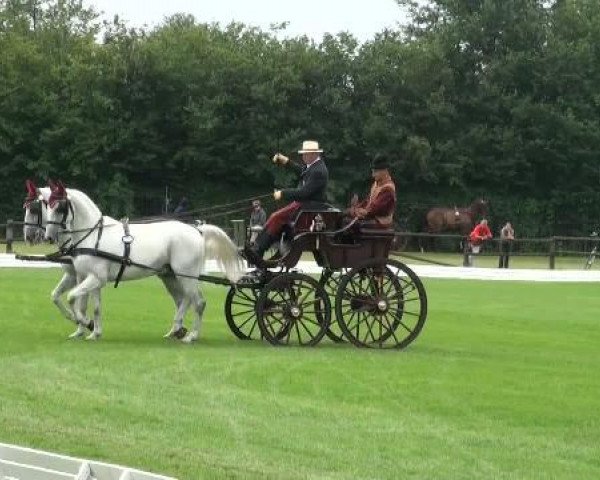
point(172, 250)
point(34, 223)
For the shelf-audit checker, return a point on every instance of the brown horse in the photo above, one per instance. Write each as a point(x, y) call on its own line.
point(461, 220)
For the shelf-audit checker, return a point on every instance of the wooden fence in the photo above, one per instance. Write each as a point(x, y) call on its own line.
point(551, 247)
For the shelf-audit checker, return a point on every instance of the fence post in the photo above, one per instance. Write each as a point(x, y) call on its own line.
point(552, 252)
point(239, 232)
point(9, 236)
point(466, 260)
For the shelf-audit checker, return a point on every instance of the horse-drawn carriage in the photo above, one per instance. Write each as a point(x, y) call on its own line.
point(362, 295)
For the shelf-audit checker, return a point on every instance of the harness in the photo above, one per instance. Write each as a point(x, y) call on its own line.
point(35, 208)
point(74, 250)
point(127, 240)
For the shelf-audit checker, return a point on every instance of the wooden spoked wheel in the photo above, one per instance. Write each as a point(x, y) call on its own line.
point(240, 312)
point(330, 281)
point(381, 304)
point(293, 309)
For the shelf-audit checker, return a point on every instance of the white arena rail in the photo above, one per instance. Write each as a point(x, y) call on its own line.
point(18, 463)
point(425, 271)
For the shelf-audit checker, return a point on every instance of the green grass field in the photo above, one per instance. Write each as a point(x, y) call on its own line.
point(503, 383)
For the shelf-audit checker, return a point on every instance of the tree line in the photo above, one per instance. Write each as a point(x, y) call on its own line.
point(471, 98)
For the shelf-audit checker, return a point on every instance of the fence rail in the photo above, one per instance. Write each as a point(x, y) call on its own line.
point(551, 247)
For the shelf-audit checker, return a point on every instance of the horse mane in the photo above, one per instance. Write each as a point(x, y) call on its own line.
point(88, 204)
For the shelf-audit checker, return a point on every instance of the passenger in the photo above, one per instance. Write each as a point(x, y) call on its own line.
point(378, 209)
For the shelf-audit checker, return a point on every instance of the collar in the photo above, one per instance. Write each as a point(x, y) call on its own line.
point(385, 180)
point(311, 164)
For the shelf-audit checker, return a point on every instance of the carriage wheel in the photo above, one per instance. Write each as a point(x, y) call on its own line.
point(330, 281)
point(293, 309)
point(240, 312)
point(381, 304)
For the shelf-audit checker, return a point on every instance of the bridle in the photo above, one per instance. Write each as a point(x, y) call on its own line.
point(35, 208)
point(65, 206)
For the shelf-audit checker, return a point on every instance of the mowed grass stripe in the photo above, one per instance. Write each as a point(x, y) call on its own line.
point(502, 383)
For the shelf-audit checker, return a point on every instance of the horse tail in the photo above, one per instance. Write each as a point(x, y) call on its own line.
point(219, 246)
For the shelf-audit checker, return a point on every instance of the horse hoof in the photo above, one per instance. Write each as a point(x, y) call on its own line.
point(190, 338)
point(93, 337)
point(178, 334)
point(76, 334)
point(181, 333)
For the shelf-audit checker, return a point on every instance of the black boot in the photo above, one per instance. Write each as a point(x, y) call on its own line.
point(254, 253)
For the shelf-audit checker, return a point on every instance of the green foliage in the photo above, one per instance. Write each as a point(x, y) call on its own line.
point(494, 98)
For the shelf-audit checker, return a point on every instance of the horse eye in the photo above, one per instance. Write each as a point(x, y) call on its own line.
point(35, 207)
point(61, 207)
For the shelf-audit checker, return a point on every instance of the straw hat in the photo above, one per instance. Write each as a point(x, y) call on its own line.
point(310, 146)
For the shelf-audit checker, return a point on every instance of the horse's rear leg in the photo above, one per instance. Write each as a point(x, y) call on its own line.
point(199, 304)
point(173, 286)
point(97, 332)
point(177, 330)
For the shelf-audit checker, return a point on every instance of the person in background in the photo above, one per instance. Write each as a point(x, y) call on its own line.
point(183, 206)
point(480, 234)
point(507, 235)
point(258, 218)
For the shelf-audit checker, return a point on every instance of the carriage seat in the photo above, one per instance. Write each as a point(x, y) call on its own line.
point(303, 220)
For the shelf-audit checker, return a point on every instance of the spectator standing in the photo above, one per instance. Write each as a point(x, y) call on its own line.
point(258, 218)
point(183, 206)
point(507, 235)
point(477, 237)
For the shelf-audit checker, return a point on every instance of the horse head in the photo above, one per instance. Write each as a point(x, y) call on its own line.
point(58, 211)
point(34, 210)
point(70, 211)
point(479, 208)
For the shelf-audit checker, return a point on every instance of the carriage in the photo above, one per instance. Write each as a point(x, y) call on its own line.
point(362, 295)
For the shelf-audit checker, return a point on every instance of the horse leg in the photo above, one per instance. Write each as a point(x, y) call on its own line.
point(173, 286)
point(90, 284)
point(97, 332)
point(67, 282)
point(199, 304)
point(177, 329)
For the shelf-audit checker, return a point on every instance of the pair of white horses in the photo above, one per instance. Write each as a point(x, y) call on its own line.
point(172, 250)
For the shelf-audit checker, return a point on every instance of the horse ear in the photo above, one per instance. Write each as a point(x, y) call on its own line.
point(31, 188)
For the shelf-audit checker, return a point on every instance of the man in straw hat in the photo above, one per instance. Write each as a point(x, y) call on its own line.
point(311, 189)
point(377, 210)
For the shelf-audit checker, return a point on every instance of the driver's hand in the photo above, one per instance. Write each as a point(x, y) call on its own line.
point(281, 159)
point(277, 195)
